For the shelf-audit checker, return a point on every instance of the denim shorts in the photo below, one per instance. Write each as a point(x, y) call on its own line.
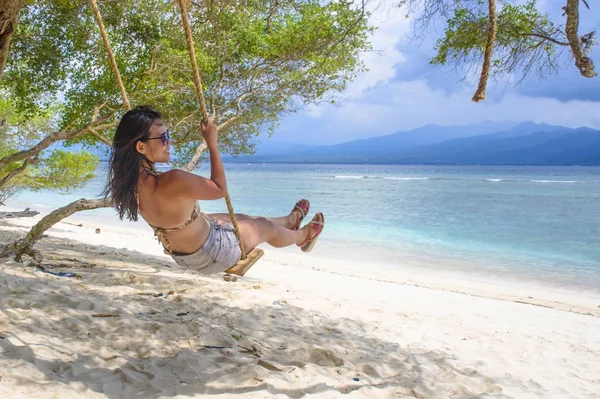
point(219, 252)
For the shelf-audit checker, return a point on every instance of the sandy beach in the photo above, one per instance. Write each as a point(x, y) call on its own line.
point(133, 324)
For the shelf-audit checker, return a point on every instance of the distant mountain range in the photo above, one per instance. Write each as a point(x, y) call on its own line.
point(486, 143)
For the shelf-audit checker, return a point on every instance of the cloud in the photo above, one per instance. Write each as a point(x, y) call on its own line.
point(381, 63)
point(313, 111)
point(567, 85)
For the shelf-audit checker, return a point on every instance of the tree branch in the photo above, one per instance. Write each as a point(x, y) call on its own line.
point(546, 38)
point(215, 93)
point(17, 171)
point(47, 141)
point(228, 122)
point(348, 30)
point(238, 112)
point(99, 137)
point(271, 13)
point(106, 126)
point(583, 63)
point(185, 118)
point(39, 147)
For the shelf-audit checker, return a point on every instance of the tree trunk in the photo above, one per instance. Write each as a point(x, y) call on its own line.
point(194, 161)
point(24, 246)
point(583, 63)
point(9, 13)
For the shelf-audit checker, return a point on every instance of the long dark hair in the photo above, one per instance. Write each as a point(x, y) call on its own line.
point(125, 160)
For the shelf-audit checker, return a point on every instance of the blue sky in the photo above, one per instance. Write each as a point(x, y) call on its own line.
point(401, 91)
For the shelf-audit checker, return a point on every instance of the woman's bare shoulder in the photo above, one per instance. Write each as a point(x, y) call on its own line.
point(174, 178)
point(178, 182)
point(174, 175)
point(181, 183)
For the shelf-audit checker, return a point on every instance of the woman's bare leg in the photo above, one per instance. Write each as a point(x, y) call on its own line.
point(283, 221)
point(255, 231)
point(290, 221)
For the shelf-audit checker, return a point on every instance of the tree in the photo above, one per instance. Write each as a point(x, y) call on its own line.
point(259, 61)
point(509, 38)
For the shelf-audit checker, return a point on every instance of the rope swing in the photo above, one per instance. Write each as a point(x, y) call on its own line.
point(489, 49)
point(111, 56)
point(247, 260)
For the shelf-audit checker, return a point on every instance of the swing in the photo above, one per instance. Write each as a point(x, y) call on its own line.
point(247, 260)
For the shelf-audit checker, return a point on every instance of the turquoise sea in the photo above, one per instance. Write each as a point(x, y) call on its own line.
point(523, 224)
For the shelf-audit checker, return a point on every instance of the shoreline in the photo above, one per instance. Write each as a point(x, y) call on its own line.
point(523, 271)
point(459, 282)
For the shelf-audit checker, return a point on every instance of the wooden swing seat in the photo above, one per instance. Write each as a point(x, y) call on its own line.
point(244, 265)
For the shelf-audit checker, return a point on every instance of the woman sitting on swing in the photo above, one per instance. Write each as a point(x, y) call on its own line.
point(206, 243)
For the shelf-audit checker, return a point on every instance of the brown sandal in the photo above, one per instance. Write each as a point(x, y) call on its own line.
point(318, 224)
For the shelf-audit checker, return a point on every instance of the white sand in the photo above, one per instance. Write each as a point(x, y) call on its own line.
point(331, 327)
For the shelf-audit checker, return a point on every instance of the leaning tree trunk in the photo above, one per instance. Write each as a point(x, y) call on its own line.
point(582, 62)
point(24, 246)
point(9, 12)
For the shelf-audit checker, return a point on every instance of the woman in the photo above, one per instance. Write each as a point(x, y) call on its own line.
point(168, 201)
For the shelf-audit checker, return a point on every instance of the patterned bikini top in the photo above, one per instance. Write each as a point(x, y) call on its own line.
point(161, 233)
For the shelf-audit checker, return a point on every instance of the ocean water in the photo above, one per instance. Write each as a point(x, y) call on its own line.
point(523, 224)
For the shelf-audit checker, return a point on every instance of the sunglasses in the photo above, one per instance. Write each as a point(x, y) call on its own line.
point(165, 137)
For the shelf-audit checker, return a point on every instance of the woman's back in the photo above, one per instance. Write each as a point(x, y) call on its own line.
point(165, 211)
